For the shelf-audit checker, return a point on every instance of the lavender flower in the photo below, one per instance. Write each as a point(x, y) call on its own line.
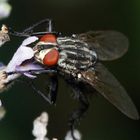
point(15, 66)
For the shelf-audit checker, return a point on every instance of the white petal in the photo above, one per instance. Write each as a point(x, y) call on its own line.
point(5, 10)
point(29, 40)
point(39, 126)
point(76, 133)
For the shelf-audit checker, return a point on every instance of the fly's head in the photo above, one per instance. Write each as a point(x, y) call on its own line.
point(46, 50)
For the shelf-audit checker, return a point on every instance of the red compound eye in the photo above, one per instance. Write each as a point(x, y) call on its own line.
point(48, 38)
point(51, 58)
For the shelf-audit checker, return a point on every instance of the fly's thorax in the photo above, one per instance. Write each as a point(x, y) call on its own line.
point(75, 54)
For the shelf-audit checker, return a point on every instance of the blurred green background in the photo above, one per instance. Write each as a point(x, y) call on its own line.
point(103, 121)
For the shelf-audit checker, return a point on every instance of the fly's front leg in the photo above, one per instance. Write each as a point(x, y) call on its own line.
point(53, 89)
point(31, 83)
point(51, 97)
point(29, 29)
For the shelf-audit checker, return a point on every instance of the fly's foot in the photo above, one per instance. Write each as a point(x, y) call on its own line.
point(73, 121)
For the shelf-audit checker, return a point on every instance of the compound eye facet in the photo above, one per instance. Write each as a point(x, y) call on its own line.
point(51, 58)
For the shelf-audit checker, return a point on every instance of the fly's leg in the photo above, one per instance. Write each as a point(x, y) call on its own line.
point(39, 92)
point(19, 34)
point(53, 89)
point(29, 29)
point(78, 113)
point(53, 86)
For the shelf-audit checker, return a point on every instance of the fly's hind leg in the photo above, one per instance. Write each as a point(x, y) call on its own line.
point(79, 112)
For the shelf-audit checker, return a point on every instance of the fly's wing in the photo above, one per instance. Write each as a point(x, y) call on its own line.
point(108, 86)
point(109, 45)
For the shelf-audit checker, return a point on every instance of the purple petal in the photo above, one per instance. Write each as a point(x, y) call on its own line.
point(28, 67)
point(23, 53)
point(29, 75)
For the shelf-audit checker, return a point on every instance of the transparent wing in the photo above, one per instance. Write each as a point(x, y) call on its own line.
point(109, 45)
point(108, 86)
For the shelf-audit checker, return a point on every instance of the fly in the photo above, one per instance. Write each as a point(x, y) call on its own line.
point(76, 58)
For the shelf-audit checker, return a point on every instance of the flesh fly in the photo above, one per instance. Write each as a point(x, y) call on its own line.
point(76, 58)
